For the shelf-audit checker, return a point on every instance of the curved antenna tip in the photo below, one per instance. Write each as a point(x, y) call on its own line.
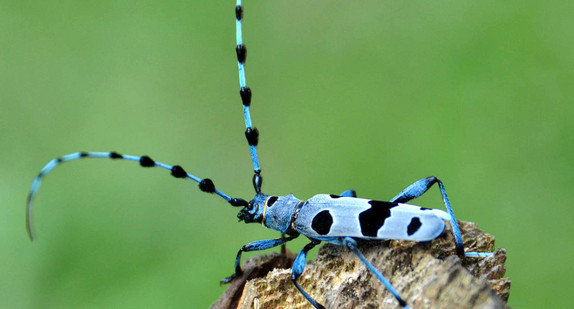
point(29, 220)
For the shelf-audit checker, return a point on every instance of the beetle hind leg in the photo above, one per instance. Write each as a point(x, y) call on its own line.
point(349, 193)
point(421, 187)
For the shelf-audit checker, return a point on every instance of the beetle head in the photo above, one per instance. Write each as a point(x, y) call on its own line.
point(253, 212)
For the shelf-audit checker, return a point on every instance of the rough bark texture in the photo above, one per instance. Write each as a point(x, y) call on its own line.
point(427, 275)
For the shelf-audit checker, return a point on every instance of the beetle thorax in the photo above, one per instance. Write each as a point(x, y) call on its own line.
point(275, 212)
point(279, 212)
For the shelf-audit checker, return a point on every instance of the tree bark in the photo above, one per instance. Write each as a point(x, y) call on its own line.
point(426, 275)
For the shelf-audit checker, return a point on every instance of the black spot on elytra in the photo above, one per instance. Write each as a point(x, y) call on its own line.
point(413, 226)
point(372, 219)
point(322, 222)
point(333, 196)
point(272, 201)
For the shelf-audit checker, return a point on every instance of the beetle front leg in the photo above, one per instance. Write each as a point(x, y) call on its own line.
point(256, 246)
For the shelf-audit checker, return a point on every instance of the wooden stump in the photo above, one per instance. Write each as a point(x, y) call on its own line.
point(427, 275)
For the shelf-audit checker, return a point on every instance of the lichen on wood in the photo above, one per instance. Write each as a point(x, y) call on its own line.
point(427, 275)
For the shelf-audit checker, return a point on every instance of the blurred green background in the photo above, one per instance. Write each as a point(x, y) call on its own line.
point(370, 95)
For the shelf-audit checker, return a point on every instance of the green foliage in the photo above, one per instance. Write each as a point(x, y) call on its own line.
point(370, 95)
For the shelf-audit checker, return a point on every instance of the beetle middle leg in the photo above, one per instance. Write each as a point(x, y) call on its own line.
point(299, 267)
point(352, 245)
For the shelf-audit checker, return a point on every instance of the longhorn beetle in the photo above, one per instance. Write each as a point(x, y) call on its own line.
point(335, 219)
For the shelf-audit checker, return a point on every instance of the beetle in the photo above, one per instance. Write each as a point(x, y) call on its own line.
point(337, 219)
